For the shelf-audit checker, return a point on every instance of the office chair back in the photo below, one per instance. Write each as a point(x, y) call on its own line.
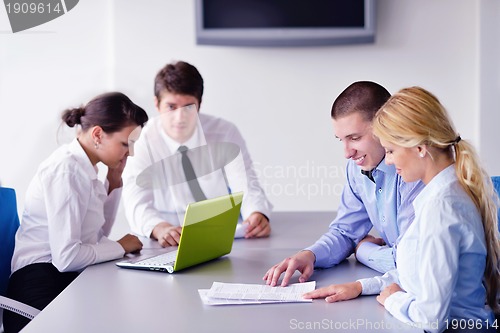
point(496, 184)
point(9, 223)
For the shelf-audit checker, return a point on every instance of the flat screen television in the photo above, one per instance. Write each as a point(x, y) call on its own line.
point(284, 22)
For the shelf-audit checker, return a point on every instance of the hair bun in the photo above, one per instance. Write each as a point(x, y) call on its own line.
point(73, 116)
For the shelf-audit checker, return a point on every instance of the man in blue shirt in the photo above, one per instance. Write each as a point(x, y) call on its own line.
point(374, 196)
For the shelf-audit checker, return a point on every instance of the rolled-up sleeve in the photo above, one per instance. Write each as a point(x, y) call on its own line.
point(351, 224)
point(379, 258)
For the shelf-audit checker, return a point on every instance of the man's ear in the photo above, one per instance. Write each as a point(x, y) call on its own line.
point(157, 103)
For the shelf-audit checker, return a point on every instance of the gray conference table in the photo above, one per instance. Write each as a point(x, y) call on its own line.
point(105, 298)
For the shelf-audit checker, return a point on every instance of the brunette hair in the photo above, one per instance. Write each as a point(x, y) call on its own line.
point(365, 97)
point(111, 111)
point(179, 78)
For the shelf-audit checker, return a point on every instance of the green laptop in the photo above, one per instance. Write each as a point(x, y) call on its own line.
point(207, 233)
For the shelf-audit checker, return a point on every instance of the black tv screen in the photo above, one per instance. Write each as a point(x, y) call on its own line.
point(284, 22)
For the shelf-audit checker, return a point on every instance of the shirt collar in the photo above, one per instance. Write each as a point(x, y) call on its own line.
point(381, 167)
point(439, 181)
point(193, 142)
point(368, 174)
point(76, 149)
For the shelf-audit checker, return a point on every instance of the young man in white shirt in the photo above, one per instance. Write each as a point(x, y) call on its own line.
point(152, 209)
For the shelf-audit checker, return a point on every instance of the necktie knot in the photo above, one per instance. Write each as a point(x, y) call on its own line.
point(182, 149)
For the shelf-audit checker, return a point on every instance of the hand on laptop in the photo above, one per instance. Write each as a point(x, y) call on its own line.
point(302, 261)
point(257, 225)
point(167, 234)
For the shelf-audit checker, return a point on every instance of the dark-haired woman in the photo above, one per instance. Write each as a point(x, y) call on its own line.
point(68, 211)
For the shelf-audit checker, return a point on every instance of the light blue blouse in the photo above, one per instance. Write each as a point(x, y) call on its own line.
point(440, 260)
point(385, 205)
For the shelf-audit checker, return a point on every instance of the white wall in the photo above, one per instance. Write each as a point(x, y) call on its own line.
point(43, 71)
point(489, 84)
point(280, 98)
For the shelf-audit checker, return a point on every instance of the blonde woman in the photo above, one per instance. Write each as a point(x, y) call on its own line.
point(448, 259)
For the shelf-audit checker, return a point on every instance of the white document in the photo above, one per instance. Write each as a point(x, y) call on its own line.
point(224, 301)
point(238, 293)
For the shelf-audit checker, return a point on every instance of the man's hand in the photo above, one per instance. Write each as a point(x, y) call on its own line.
point(302, 261)
point(336, 292)
point(257, 226)
point(167, 234)
point(371, 239)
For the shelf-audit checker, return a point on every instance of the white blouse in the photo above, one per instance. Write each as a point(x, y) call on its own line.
point(67, 215)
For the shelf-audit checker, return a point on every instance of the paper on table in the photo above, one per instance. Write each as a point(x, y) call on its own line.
point(260, 292)
point(224, 301)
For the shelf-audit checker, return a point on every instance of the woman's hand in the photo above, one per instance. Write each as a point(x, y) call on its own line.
point(337, 292)
point(115, 175)
point(388, 291)
point(130, 243)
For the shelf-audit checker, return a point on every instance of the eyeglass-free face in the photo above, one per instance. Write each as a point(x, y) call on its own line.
point(179, 114)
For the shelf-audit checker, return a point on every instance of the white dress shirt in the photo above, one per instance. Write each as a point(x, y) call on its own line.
point(154, 183)
point(67, 215)
point(440, 260)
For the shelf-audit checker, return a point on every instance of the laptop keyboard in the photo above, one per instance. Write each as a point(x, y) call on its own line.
point(160, 260)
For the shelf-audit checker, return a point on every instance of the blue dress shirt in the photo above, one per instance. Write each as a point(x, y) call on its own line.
point(385, 205)
point(441, 260)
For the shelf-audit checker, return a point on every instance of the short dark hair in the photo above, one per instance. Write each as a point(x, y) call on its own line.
point(365, 97)
point(179, 78)
point(111, 111)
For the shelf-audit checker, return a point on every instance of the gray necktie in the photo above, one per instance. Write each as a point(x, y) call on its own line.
point(191, 178)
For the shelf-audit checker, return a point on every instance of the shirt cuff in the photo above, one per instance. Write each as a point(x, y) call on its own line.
point(397, 304)
point(364, 251)
point(393, 299)
point(249, 209)
point(370, 286)
point(148, 227)
point(321, 258)
point(379, 258)
point(145, 229)
point(107, 250)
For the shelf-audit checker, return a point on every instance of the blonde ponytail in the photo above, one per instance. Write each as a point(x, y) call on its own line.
point(477, 184)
